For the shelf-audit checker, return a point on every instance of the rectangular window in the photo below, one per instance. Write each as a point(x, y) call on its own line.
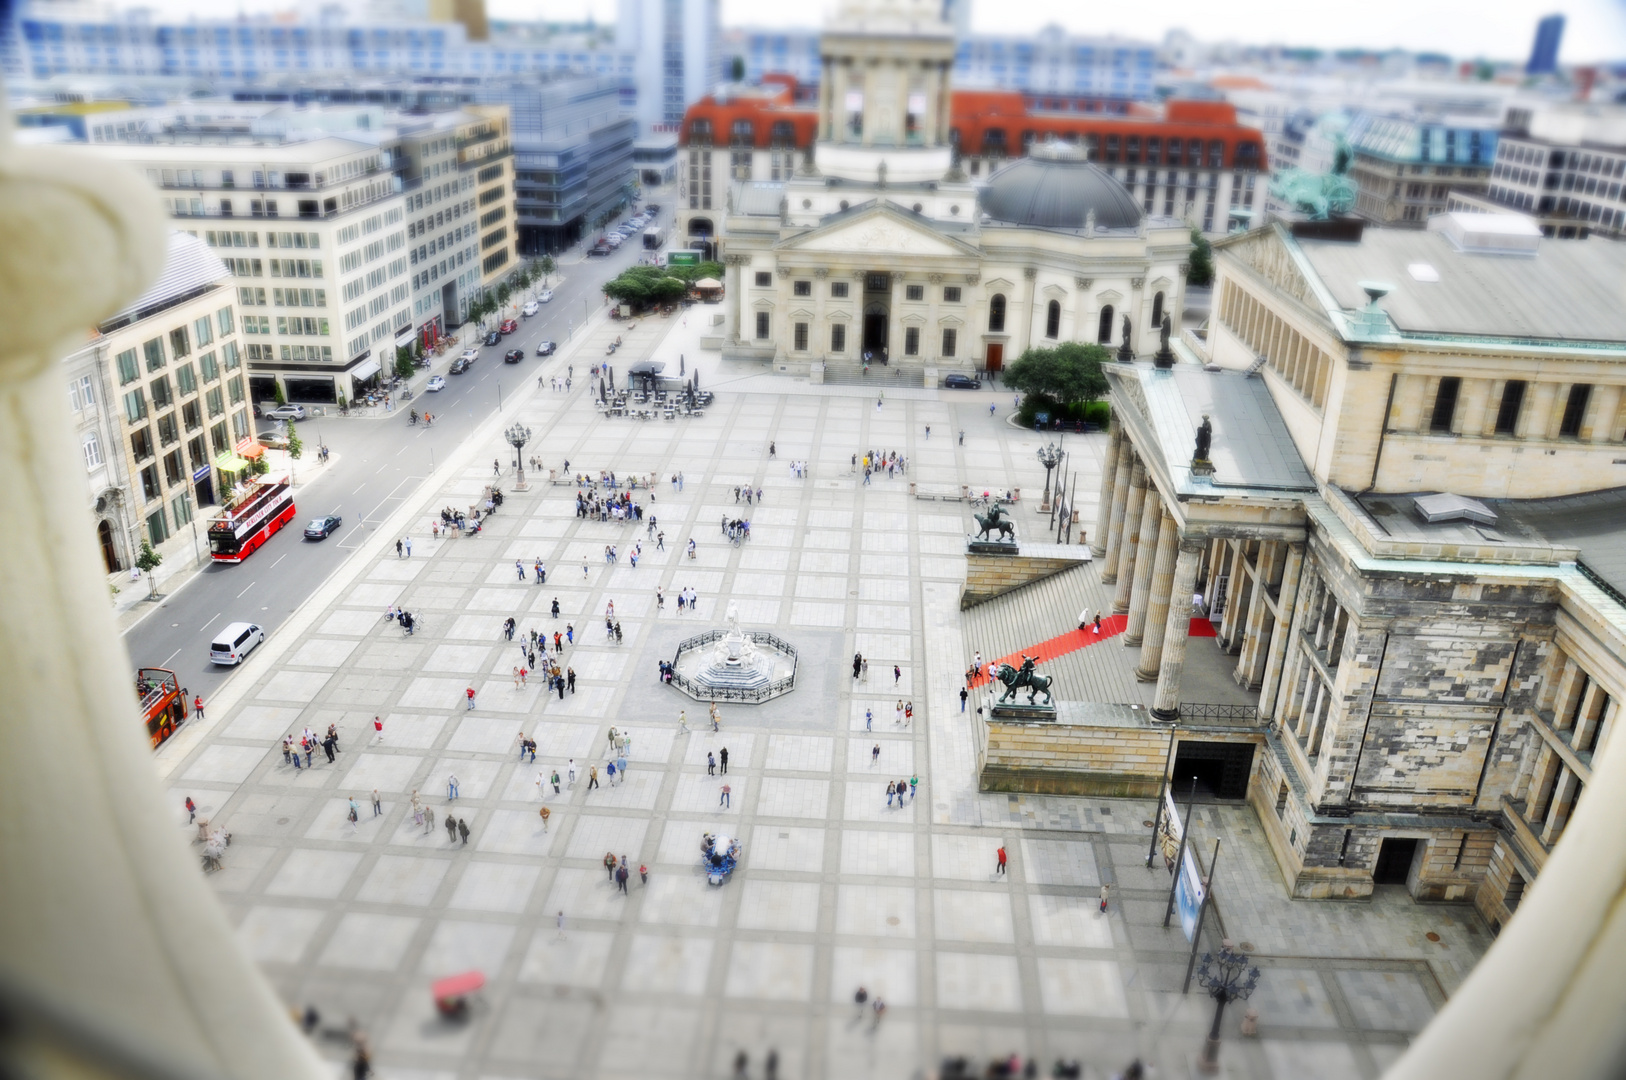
point(235, 387)
point(186, 379)
point(1575, 410)
point(128, 369)
point(911, 341)
point(762, 326)
point(93, 451)
point(223, 317)
point(161, 396)
point(174, 470)
point(168, 432)
point(801, 288)
point(141, 444)
point(207, 365)
point(1445, 405)
point(838, 289)
point(154, 350)
point(203, 332)
point(239, 423)
point(951, 294)
point(950, 340)
point(801, 337)
point(228, 355)
point(181, 506)
point(914, 292)
point(157, 525)
point(1507, 415)
point(179, 346)
point(218, 438)
point(135, 405)
point(80, 395)
point(764, 279)
point(216, 401)
point(191, 416)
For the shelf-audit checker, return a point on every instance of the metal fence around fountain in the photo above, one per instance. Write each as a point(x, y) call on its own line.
point(773, 689)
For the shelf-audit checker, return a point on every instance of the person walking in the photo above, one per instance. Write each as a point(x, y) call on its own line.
point(463, 831)
point(610, 864)
point(914, 782)
point(609, 770)
point(1084, 619)
point(908, 713)
point(397, 548)
point(621, 879)
point(545, 813)
point(469, 693)
point(451, 788)
point(592, 777)
point(451, 828)
point(869, 720)
point(378, 807)
point(378, 726)
point(999, 860)
point(860, 999)
point(556, 609)
point(711, 763)
point(897, 716)
point(963, 695)
point(571, 771)
point(722, 760)
point(891, 789)
point(555, 781)
point(683, 721)
point(355, 813)
point(643, 873)
point(1098, 622)
point(197, 707)
point(1105, 891)
point(879, 1008)
point(408, 547)
point(191, 810)
point(727, 791)
point(875, 754)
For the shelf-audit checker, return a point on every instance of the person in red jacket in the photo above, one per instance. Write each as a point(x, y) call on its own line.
point(197, 706)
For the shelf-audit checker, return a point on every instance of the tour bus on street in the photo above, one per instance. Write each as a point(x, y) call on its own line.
point(163, 704)
point(252, 517)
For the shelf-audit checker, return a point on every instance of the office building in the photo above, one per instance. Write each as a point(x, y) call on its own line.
point(1406, 166)
point(676, 46)
point(1544, 50)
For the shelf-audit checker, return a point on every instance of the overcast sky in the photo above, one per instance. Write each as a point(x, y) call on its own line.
point(1499, 29)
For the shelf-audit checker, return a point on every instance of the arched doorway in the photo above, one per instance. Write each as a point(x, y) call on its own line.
point(1103, 332)
point(110, 554)
point(875, 326)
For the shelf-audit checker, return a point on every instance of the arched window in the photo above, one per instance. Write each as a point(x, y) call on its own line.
point(996, 314)
point(1052, 320)
point(1157, 310)
point(1104, 334)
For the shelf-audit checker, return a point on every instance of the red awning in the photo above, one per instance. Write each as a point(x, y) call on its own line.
point(250, 451)
point(456, 985)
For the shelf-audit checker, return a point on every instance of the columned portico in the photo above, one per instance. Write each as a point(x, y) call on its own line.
point(1160, 601)
point(1146, 549)
point(1120, 500)
point(1109, 474)
point(1130, 543)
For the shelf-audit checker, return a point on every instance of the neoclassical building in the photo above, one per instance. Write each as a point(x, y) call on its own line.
point(876, 243)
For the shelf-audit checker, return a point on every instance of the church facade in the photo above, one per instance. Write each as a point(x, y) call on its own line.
point(876, 248)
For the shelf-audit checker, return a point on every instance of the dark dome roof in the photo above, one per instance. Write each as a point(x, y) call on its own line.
point(1057, 193)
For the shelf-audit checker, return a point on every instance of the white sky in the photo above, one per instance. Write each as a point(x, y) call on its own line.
point(1500, 29)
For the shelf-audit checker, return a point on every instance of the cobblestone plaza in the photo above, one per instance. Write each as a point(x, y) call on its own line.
point(837, 889)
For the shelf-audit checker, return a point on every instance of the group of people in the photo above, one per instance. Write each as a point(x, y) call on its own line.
point(307, 744)
point(686, 597)
point(876, 462)
point(798, 469)
point(746, 491)
point(454, 521)
point(737, 530)
point(617, 507)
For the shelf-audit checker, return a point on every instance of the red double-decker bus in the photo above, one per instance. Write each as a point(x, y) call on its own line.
point(163, 705)
point(258, 511)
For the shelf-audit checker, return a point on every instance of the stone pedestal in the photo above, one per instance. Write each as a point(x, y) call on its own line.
point(1023, 712)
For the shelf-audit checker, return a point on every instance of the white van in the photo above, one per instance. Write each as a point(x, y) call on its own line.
point(233, 643)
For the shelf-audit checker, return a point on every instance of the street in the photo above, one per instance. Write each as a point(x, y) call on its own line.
point(378, 460)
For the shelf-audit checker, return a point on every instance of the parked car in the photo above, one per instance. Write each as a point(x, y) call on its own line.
point(599, 249)
point(508, 327)
point(531, 308)
point(436, 382)
point(513, 356)
point(234, 642)
point(544, 296)
point(653, 208)
point(960, 382)
point(276, 440)
point(289, 411)
point(494, 338)
point(546, 348)
point(321, 528)
point(459, 366)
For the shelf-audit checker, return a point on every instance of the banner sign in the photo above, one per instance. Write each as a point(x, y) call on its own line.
point(1188, 894)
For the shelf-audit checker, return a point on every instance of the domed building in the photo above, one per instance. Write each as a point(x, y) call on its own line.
point(876, 244)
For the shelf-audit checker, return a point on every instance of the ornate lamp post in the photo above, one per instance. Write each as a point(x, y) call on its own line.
point(518, 435)
point(1049, 457)
point(1227, 978)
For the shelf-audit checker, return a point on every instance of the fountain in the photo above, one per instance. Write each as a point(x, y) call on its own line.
point(732, 664)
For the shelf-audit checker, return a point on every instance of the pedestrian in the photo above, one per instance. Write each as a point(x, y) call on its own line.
point(570, 680)
point(880, 1010)
point(861, 998)
point(864, 675)
point(463, 831)
point(722, 759)
point(914, 782)
point(908, 713)
point(609, 771)
point(451, 828)
point(355, 813)
point(1098, 622)
point(875, 754)
point(963, 695)
point(891, 789)
point(683, 721)
point(962, 436)
point(191, 810)
point(519, 568)
point(621, 878)
point(711, 764)
point(469, 693)
point(643, 873)
point(571, 771)
point(897, 714)
point(378, 807)
point(555, 610)
point(610, 864)
point(726, 792)
point(451, 787)
point(869, 720)
point(197, 706)
point(409, 547)
point(417, 813)
point(287, 748)
point(1084, 619)
point(570, 634)
point(999, 858)
point(976, 663)
point(397, 548)
point(592, 777)
point(496, 467)
point(1105, 890)
point(545, 814)
point(555, 781)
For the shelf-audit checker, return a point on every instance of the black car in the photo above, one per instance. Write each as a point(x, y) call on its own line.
point(321, 528)
point(494, 338)
point(513, 356)
point(546, 348)
point(960, 382)
point(459, 366)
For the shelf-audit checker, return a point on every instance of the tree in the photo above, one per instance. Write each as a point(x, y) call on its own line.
point(259, 466)
point(736, 69)
point(276, 388)
point(147, 562)
point(296, 447)
point(1202, 260)
point(403, 362)
point(641, 286)
point(1067, 375)
point(547, 265)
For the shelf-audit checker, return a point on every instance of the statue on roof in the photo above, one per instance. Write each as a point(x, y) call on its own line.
point(1319, 195)
point(1205, 441)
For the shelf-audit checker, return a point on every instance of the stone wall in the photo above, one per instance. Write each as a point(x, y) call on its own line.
point(1066, 759)
point(988, 576)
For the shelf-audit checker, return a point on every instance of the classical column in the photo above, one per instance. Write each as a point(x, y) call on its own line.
point(1157, 608)
point(1284, 711)
point(1131, 538)
point(1103, 510)
point(1281, 633)
point(1030, 284)
point(1120, 501)
point(1140, 593)
point(1249, 661)
point(735, 302)
point(107, 912)
point(1237, 589)
point(1166, 702)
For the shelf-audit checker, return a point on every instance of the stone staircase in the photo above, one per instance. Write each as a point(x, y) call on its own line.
point(844, 373)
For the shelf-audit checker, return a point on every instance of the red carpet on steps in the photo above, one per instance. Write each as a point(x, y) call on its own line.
point(1073, 640)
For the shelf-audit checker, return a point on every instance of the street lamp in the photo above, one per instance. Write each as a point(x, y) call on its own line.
point(517, 437)
point(1227, 978)
point(1049, 457)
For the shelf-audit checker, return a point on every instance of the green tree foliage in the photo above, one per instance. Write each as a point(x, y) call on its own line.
point(1202, 260)
point(403, 362)
point(1064, 381)
point(736, 69)
point(147, 562)
point(643, 286)
point(282, 398)
point(259, 466)
point(296, 445)
point(547, 265)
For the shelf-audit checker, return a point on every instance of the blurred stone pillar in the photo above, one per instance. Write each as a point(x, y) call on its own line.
point(1140, 593)
point(1109, 474)
point(1131, 538)
point(1120, 500)
point(1166, 701)
point(1157, 607)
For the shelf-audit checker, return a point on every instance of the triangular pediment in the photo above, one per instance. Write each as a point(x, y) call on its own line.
point(1265, 252)
point(879, 229)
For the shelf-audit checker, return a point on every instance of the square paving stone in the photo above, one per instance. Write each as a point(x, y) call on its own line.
point(661, 964)
point(965, 915)
point(1072, 987)
point(369, 941)
point(1074, 921)
point(403, 879)
point(779, 905)
point(977, 981)
point(877, 853)
point(888, 973)
point(278, 935)
point(769, 971)
point(875, 910)
point(572, 958)
point(466, 946)
point(494, 886)
point(320, 875)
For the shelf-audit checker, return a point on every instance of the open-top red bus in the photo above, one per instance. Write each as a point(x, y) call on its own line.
point(163, 705)
point(261, 508)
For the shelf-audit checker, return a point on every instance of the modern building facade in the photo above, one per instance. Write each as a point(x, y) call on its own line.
point(1544, 49)
point(1406, 167)
point(1563, 164)
point(677, 55)
point(879, 249)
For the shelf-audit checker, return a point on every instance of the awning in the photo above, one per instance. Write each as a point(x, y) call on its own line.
point(251, 451)
point(230, 463)
point(647, 367)
point(405, 338)
point(365, 370)
point(708, 283)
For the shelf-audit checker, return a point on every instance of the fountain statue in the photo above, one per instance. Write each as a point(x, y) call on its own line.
point(733, 664)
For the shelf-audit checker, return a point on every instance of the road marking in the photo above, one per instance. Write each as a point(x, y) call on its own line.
point(250, 586)
point(170, 657)
point(381, 468)
point(359, 490)
point(205, 626)
point(281, 557)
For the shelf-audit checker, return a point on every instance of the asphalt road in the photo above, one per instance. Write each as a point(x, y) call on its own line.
point(375, 464)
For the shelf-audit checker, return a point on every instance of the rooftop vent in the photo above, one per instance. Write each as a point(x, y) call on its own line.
point(1448, 507)
point(1488, 234)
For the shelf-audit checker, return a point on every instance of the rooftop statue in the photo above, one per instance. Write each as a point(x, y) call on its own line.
point(1319, 195)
